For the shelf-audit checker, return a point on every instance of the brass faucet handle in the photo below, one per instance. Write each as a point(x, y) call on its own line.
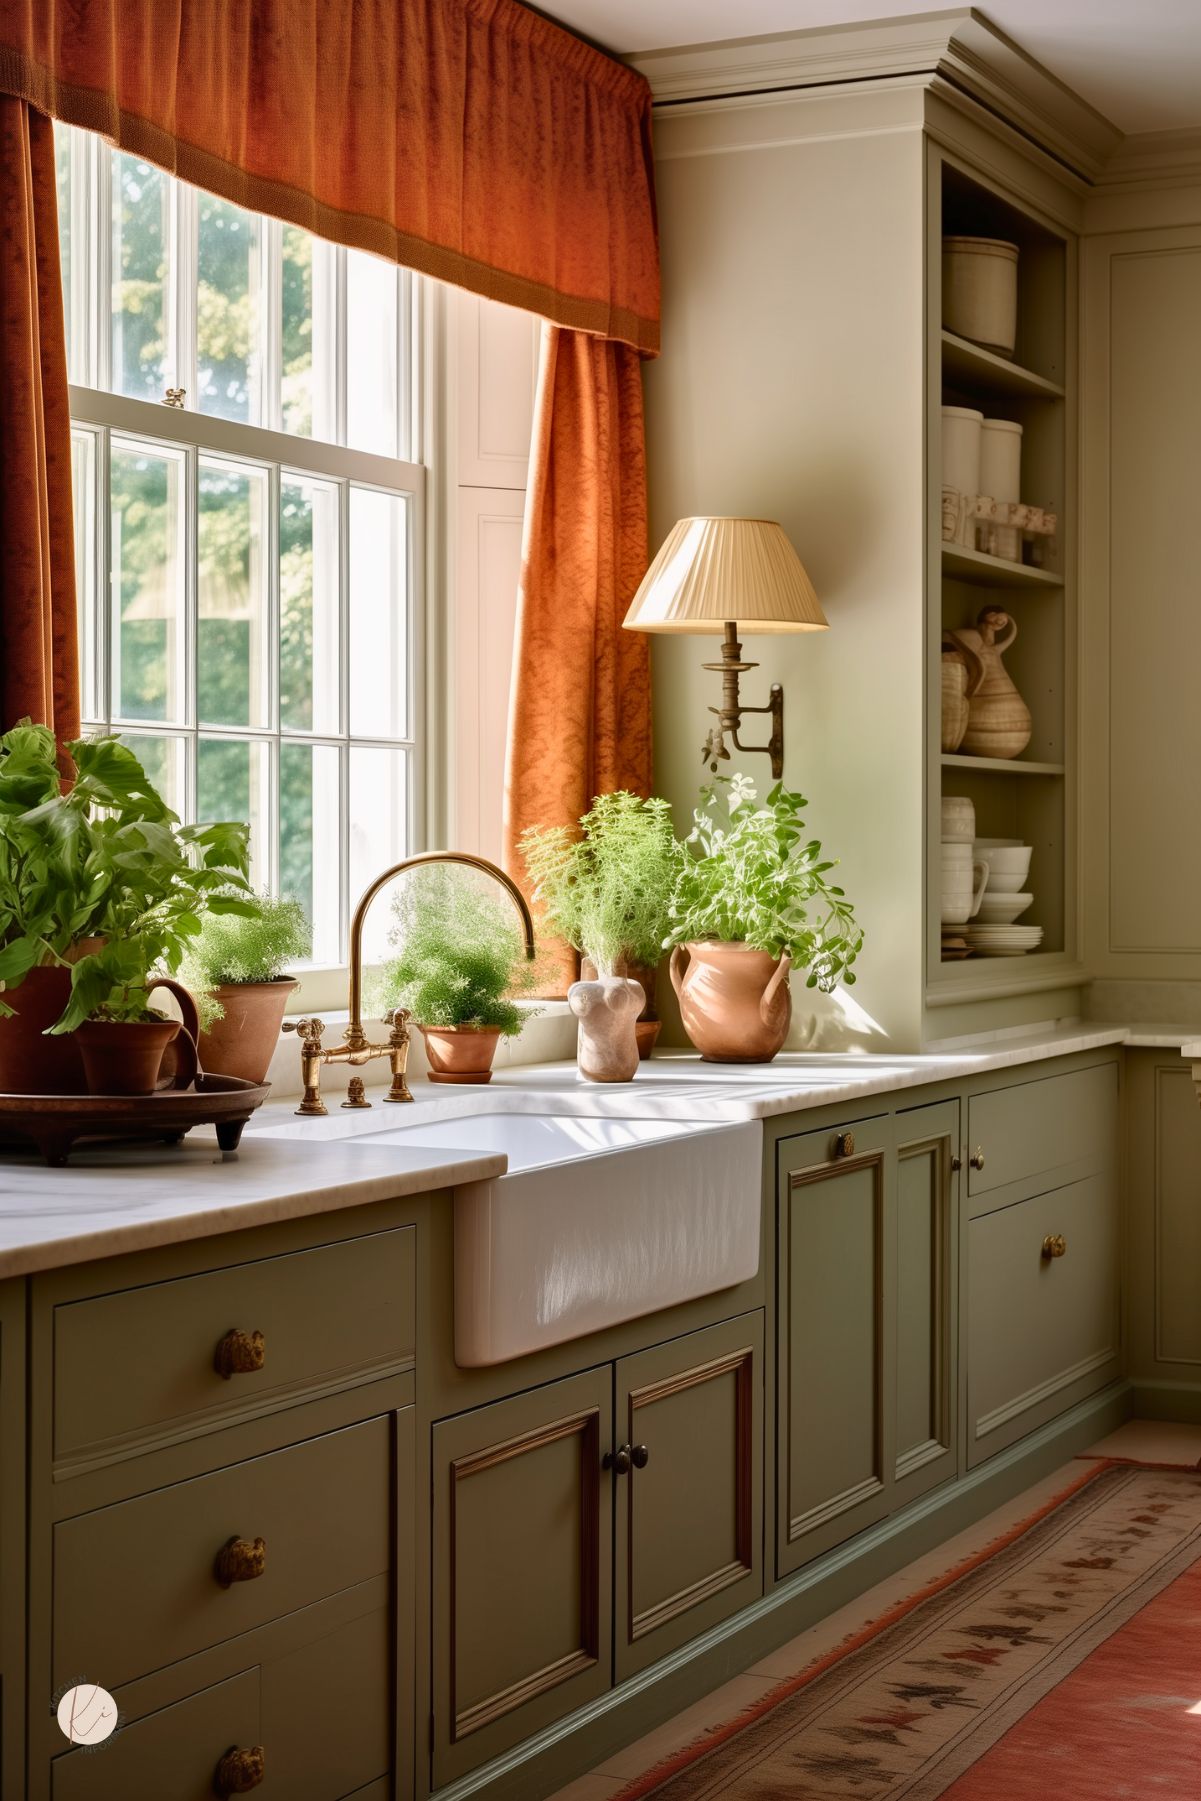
point(398, 1018)
point(310, 1030)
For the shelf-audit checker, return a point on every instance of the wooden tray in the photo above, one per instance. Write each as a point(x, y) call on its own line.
point(53, 1123)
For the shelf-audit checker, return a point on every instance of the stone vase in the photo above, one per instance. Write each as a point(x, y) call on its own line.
point(607, 1010)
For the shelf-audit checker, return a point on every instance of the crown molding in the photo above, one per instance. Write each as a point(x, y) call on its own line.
point(959, 48)
point(1155, 159)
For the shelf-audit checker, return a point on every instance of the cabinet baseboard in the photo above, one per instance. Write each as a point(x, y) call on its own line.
point(573, 1746)
point(1179, 1402)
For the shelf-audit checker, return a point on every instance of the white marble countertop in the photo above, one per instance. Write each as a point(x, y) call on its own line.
point(112, 1200)
point(109, 1200)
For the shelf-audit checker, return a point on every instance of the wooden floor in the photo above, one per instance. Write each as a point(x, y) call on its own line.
point(1146, 1441)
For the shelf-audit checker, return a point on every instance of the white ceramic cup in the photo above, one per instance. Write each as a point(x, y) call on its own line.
point(961, 896)
point(958, 819)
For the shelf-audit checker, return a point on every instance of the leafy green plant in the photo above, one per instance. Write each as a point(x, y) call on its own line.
point(106, 860)
point(459, 954)
point(749, 876)
point(607, 891)
point(239, 949)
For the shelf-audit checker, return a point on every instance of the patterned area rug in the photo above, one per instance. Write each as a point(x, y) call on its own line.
point(1094, 1605)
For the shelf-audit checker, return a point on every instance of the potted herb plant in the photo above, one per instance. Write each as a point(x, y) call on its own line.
point(99, 889)
point(237, 967)
point(605, 890)
point(458, 967)
point(751, 900)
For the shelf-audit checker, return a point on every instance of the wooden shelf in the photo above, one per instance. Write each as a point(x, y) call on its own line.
point(993, 572)
point(999, 765)
point(971, 363)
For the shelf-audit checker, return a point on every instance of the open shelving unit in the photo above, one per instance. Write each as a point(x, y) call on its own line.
point(1031, 797)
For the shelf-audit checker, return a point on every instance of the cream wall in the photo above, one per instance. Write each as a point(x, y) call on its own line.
point(1141, 599)
point(791, 385)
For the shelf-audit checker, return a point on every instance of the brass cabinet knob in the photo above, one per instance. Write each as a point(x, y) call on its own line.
point(1054, 1245)
point(240, 1354)
point(240, 1560)
point(956, 1163)
point(620, 1461)
point(639, 1456)
point(844, 1144)
point(977, 1158)
point(239, 1771)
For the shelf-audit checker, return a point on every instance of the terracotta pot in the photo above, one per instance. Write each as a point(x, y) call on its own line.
point(243, 1042)
point(31, 1063)
point(460, 1053)
point(646, 1032)
point(607, 1010)
point(125, 1057)
point(735, 1002)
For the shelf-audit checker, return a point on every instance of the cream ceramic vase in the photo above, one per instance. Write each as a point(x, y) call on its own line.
point(735, 1002)
point(607, 1009)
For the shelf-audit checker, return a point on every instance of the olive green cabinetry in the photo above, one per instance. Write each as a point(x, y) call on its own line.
point(867, 1242)
point(584, 1529)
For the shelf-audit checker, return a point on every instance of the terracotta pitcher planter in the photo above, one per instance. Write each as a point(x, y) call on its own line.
point(735, 1002)
point(127, 1056)
point(460, 1053)
point(242, 1042)
point(607, 1010)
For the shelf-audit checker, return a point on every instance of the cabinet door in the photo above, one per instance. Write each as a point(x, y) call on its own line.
point(522, 1572)
point(1043, 1329)
point(927, 1258)
point(690, 1507)
point(836, 1316)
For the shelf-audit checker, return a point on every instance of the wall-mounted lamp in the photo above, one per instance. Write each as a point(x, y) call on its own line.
point(730, 576)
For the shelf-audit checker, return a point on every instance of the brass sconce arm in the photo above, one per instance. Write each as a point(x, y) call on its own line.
point(730, 713)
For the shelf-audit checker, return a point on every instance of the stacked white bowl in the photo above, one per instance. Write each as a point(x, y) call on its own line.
point(994, 931)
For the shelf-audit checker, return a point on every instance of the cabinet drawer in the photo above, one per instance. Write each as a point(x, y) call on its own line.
point(140, 1367)
point(318, 1707)
point(1043, 1332)
point(1047, 1129)
point(135, 1584)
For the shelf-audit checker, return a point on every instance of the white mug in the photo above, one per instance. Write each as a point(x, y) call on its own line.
point(961, 896)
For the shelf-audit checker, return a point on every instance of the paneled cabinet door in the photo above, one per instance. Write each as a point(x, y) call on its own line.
point(927, 1232)
point(835, 1451)
point(522, 1575)
point(689, 1506)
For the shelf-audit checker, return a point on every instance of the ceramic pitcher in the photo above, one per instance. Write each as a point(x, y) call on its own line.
point(999, 723)
point(962, 675)
point(734, 1001)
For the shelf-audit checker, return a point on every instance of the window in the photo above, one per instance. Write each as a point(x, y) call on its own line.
point(248, 521)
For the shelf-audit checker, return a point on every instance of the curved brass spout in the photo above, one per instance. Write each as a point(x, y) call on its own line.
point(356, 1048)
point(430, 856)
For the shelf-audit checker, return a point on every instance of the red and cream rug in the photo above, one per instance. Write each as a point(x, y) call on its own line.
point(1061, 1664)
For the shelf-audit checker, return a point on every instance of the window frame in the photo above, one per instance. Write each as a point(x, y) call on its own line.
point(188, 431)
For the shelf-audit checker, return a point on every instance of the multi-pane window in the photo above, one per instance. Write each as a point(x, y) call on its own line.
point(248, 520)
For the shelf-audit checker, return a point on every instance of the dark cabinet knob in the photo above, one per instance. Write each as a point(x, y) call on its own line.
point(640, 1457)
point(239, 1771)
point(240, 1354)
point(619, 1461)
point(240, 1560)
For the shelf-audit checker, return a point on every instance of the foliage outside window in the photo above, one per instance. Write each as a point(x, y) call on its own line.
point(249, 586)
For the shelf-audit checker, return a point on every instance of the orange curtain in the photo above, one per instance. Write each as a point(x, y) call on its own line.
point(38, 658)
point(580, 713)
point(470, 139)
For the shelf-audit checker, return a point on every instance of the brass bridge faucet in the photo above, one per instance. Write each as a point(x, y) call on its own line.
point(356, 1048)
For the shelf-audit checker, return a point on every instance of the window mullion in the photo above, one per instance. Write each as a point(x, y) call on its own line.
point(101, 237)
point(271, 366)
point(184, 276)
point(344, 721)
point(192, 619)
point(339, 420)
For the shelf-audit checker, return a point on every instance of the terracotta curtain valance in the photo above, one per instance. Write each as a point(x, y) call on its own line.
point(470, 139)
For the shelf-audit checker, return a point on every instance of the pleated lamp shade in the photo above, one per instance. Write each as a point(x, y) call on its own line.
point(711, 570)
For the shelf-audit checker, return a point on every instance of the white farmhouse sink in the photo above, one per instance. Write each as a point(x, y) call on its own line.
point(596, 1221)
